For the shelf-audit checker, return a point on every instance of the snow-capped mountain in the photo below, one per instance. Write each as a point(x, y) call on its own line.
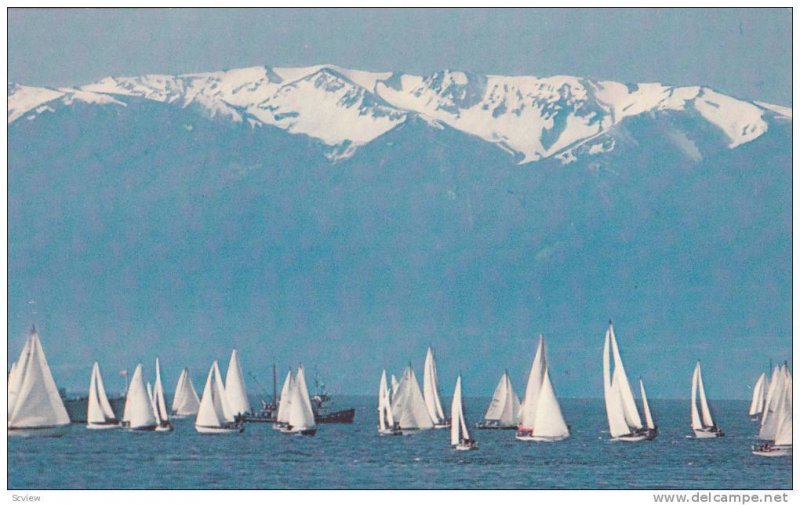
point(533, 118)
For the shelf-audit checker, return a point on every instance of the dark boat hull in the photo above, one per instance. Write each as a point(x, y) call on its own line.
point(338, 417)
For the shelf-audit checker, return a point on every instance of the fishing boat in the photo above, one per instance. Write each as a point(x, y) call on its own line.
point(624, 422)
point(185, 402)
point(234, 387)
point(386, 424)
point(159, 403)
point(214, 416)
point(540, 417)
point(36, 408)
point(430, 388)
point(300, 419)
point(99, 415)
point(703, 424)
point(459, 434)
point(139, 414)
point(652, 429)
point(776, 427)
point(504, 409)
point(759, 395)
point(408, 406)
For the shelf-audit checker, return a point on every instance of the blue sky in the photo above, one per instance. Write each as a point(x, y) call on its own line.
point(742, 52)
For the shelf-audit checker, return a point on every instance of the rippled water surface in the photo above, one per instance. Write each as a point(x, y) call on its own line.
point(353, 456)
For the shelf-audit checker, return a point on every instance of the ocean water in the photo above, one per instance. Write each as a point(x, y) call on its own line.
point(354, 456)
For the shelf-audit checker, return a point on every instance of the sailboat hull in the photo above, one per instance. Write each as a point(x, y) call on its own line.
point(533, 438)
point(310, 432)
point(388, 433)
point(704, 433)
point(139, 429)
point(774, 451)
point(491, 425)
point(218, 430)
point(465, 446)
point(441, 425)
point(103, 426)
point(630, 438)
point(44, 431)
point(165, 428)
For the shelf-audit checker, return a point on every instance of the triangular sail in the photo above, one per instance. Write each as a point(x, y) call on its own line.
point(623, 388)
point(37, 403)
point(430, 384)
point(282, 416)
point(15, 377)
point(498, 405)
point(458, 427)
point(530, 404)
point(158, 397)
point(223, 398)
point(185, 402)
point(235, 388)
point(394, 385)
point(615, 410)
point(705, 412)
point(757, 402)
point(211, 413)
point(783, 433)
point(385, 418)
point(153, 402)
point(775, 395)
point(408, 406)
point(301, 416)
point(99, 409)
point(138, 407)
point(648, 417)
point(549, 422)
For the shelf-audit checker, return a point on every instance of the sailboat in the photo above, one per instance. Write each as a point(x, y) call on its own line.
point(386, 424)
point(759, 395)
point(408, 406)
point(776, 426)
point(540, 417)
point(504, 409)
point(139, 414)
point(185, 402)
point(300, 419)
point(394, 384)
point(234, 387)
point(159, 404)
point(652, 429)
point(36, 408)
point(624, 423)
point(214, 415)
point(282, 415)
point(459, 434)
point(99, 415)
point(703, 424)
point(430, 388)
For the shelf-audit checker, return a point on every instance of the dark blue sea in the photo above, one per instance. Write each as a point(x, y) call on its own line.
point(354, 456)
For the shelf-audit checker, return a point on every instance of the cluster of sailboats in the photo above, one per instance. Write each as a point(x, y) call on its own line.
point(35, 405)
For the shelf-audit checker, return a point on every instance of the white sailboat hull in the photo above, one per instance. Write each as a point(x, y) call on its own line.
point(534, 438)
point(630, 438)
point(774, 451)
point(389, 432)
point(218, 430)
point(441, 425)
point(465, 447)
point(165, 428)
point(103, 426)
point(707, 433)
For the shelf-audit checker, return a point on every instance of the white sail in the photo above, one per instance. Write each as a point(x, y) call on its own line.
point(15, 377)
point(301, 416)
point(185, 402)
point(757, 402)
point(226, 408)
point(783, 432)
point(775, 396)
point(38, 403)
point(648, 417)
point(624, 388)
point(282, 416)
point(549, 422)
point(98, 410)
point(138, 407)
point(615, 409)
point(394, 386)
point(153, 402)
point(234, 386)
point(430, 384)
point(211, 413)
point(530, 403)
point(458, 426)
point(500, 400)
point(158, 397)
point(408, 406)
point(385, 417)
point(705, 412)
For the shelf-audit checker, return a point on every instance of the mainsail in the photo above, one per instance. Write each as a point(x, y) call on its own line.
point(700, 419)
point(158, 396)
point(408, 406)
point(648, 417)
point(385, 417)
point(234, 386)
point(759, 394)
point(430, 385)
point(504, 409)
point(623, 417)
point(213, 412)
point(282, 416)
point(779, 392)
point(98, 411)
point(301, 416)
point(458, 427)
point(37, 403)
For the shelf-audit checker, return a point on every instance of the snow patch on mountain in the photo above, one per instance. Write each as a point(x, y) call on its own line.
point(25, 99)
